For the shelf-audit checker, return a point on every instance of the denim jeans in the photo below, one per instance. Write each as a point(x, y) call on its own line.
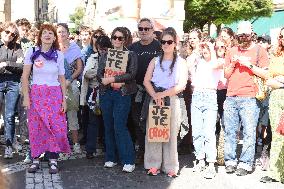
point(9, 90)
point(95, 121)
point(246, 110)
point(115, 109)
point(203, 120)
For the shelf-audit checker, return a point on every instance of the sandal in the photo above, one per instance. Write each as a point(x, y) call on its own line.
point(172, 174)
point(53, 168)
point(34, 167)
point(153, 171)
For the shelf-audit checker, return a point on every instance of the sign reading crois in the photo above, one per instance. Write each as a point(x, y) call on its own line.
point(116, 64)
point(159, 123)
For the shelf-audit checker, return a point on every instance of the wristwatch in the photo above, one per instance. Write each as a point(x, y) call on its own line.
point(250, 66)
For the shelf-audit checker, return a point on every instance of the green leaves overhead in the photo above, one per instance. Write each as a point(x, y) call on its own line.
point(77, 16)
point(201, 12)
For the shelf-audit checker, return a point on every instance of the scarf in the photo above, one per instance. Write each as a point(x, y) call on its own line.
point(51, 54)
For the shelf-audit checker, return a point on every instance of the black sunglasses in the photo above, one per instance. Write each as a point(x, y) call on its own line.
point(220, 47)
point(120, 38)
point(145, 29)
point(280, 36)
point(243, 35)
point(169, 42)
point(12, 34)
point(96, 36)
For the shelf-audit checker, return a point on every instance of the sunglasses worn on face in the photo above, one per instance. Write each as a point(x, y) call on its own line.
point(12, 34)
point(220, 47)
point(243, 35)
point(96, 36)
point(169, 42)
point(145, 29)
point(102, 49)
point(280, 36)
point(120, 38)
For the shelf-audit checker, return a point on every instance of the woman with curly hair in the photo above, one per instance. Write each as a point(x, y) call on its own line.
point(45, 99)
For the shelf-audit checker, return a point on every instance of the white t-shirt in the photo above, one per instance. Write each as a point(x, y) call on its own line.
point(205, 76)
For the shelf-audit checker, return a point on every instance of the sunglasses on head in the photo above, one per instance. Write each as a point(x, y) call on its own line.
point(169, 42)
point(145, 29)
point(280, 36)
point(120, 38)
point(12, 34)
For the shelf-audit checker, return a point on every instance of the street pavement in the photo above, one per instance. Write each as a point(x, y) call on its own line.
point(77, 172)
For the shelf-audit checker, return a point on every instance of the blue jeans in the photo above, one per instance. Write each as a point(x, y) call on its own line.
point(203, 120)
point(115, 109)
point(246, 110)
point(95, 121)
point(9, 90)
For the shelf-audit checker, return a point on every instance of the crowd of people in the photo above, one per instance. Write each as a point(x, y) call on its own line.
point(60, 88)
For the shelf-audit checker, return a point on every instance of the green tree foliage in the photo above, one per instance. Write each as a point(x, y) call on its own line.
point(77, 17)
point(201, 12)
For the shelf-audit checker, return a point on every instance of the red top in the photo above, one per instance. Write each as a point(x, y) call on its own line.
point(241, 82)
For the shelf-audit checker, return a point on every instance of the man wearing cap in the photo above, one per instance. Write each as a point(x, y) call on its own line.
point(242, 62)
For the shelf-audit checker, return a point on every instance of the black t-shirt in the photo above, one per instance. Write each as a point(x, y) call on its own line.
point(145, 54)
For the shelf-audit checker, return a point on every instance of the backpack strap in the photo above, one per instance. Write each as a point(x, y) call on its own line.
point(257, 56)
point(33, 52)
point(32, 61)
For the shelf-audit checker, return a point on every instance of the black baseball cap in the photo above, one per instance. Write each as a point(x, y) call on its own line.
point(264, 37)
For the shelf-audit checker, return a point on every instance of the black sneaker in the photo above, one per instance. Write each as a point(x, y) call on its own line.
point(230, 169)
point(267, 179)
point(90, 155)
point(241, 172)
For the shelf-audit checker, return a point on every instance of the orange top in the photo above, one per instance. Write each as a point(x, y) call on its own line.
point(276, 67)
point(241, 82)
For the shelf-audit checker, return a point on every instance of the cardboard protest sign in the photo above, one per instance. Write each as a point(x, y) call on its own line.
point(116, 64)
point(159, 123)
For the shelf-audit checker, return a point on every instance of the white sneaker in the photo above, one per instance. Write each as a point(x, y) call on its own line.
point(109, 164)
point(28, 159)
point(128, 168)
point(17, 146)
point(8, 152)
point(77, 148)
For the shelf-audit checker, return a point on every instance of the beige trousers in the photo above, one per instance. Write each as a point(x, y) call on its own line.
point(164, 155)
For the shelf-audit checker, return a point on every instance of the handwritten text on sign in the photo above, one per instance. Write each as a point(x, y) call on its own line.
point(116, 64)
point(159, 123)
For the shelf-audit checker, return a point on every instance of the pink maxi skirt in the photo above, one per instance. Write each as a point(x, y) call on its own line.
point(47, 124)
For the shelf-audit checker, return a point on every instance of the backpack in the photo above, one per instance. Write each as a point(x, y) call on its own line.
point(262, 88)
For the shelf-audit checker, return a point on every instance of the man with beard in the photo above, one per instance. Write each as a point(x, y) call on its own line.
point(242, 62)
point(146, 49)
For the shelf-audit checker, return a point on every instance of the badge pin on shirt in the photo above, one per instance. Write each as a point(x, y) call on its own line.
point(39, 63)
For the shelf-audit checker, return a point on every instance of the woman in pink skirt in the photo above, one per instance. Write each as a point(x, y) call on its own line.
point(45, 100)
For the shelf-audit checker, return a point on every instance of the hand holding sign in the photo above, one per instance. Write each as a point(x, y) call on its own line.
point(108, 80)
point(115, 65)
point(159, 123)
point(158, 99)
